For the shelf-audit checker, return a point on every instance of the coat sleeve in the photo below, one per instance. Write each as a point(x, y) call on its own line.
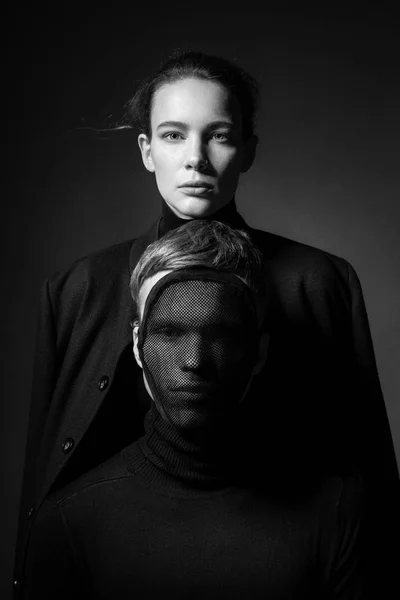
point(348, 577)
point(364, 559)
point(83, 327)
point(44, 375)
point(377, 459)
point(52, 568)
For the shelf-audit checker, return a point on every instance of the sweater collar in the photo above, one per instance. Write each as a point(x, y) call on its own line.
point(168, 221)
point(173, 463)
point(227, 214)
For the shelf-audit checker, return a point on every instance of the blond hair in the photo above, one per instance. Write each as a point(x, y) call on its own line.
point(203, 243)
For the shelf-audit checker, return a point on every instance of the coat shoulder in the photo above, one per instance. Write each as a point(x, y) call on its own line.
point(290, 259)
point(88, 288)
point(107, 262)
point(92, 279)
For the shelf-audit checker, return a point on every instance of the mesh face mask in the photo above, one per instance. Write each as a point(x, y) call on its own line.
point(198, 342)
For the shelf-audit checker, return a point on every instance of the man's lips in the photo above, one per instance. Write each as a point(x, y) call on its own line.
point(196, 388)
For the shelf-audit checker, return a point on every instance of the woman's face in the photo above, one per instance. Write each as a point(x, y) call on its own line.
point(196, 149)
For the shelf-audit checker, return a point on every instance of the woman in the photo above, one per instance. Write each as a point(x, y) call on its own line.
point(196, 122)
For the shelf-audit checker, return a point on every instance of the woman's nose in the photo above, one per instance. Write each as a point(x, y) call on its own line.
point(197, 156)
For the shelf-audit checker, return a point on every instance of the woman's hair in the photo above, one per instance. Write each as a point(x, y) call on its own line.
point(200, 66)
point(203, 243)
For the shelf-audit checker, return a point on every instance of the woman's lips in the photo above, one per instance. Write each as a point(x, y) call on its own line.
point(196, 188)
point(191, 190)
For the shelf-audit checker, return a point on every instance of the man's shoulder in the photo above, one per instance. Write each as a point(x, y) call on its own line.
point(110, 471)
point(342, 496)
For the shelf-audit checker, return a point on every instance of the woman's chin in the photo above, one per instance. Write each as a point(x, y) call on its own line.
point(196, 208)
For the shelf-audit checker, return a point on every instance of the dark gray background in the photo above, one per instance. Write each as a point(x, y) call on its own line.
point(327, 170)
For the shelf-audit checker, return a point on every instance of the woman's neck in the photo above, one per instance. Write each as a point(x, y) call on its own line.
point(227, 214)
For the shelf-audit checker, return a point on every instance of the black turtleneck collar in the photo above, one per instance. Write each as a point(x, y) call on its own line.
point(227, 214)
point(169, 221)
point(175, 464)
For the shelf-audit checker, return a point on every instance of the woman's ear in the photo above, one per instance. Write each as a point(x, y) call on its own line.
point(135, 345)
point(145, 149)
point(249, 153)
point(262, 353)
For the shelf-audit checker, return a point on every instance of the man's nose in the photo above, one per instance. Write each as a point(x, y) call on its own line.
point(194, 353)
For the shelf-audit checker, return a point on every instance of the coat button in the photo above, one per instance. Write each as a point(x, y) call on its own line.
point(103, 383)
point(31, 511)
point(67, 445)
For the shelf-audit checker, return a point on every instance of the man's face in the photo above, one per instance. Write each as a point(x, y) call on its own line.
point(196, 148)
point(196, 345)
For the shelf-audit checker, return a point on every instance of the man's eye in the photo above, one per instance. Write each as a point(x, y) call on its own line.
point(221, 332)
point(168, 332)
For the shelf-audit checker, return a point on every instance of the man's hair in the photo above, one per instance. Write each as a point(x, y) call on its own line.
point(203, 243)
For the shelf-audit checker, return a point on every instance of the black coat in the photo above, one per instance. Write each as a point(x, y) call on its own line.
point(318, 401)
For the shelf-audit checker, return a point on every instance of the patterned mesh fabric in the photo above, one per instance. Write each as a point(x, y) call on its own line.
point(197, 342)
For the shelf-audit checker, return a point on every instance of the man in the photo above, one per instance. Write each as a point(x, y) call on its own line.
point(191, 509)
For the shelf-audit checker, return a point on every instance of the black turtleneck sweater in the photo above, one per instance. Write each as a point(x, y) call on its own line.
point(170, 517)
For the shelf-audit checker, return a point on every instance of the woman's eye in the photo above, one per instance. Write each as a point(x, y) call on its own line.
point(173, 136)
point(221, 137)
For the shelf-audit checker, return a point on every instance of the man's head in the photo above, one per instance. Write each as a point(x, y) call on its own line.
point(200, 295)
